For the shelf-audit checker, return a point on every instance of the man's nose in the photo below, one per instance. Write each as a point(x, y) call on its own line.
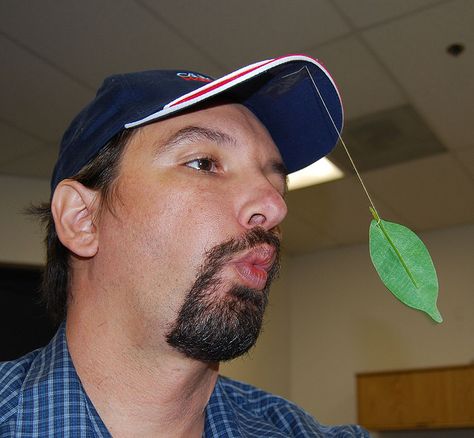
point(262, 206)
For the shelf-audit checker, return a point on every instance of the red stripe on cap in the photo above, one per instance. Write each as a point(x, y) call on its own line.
point(200, 92)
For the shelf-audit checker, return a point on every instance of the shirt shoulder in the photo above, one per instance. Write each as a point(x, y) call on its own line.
point(42, 396)
point(12, 376)
point(282, 414)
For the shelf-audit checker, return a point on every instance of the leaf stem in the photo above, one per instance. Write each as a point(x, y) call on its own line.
point(400, 258)
point(375, 214)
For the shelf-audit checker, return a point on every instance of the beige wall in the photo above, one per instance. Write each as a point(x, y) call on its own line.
point(329, 316)
point(343, 321)
point(20, 235)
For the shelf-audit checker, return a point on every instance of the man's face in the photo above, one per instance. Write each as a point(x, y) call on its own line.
point(191, 243)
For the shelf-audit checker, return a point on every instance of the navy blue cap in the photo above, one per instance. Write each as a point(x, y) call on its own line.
point(280, 92)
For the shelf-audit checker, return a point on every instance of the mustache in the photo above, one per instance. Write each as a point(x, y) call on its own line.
point(223, 252)
point(219, 255)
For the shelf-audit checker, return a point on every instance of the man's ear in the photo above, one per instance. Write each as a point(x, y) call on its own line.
point(74, 208)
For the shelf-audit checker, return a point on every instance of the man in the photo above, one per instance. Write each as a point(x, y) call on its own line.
point(162, 243)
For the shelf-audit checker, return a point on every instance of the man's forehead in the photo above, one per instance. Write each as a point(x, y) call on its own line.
point(227, 124)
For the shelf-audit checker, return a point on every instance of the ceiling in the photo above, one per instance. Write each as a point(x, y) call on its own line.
point(388, 57)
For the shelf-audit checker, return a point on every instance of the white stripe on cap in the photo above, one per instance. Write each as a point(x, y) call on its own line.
point(226, 82)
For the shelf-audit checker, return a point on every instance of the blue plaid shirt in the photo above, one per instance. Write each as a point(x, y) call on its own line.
point(41, 396)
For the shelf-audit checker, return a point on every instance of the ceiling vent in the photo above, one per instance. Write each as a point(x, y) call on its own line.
point(386, 138)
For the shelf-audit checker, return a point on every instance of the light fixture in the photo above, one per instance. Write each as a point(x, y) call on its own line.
point(321, 171)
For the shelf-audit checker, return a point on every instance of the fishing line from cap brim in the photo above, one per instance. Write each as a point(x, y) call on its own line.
point(373, 209)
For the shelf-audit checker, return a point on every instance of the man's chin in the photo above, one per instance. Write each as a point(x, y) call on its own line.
point(220, 331)
point(215, 324)
point(211, 352)
point(248, 297)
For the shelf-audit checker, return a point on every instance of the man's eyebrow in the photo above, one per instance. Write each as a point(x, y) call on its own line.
point(193, 134)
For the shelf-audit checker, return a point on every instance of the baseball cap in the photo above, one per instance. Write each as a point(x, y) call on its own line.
point(280, 92)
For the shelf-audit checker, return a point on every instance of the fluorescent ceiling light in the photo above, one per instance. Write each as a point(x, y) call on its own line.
point(321, 171)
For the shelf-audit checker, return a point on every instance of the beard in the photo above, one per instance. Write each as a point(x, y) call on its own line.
point(212, 326)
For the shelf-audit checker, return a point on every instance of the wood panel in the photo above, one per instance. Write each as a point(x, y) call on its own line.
point(417, 399)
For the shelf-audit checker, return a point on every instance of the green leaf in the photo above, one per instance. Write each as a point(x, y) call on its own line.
point(404, 265)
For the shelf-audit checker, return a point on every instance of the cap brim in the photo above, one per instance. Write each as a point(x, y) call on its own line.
point(281, 93)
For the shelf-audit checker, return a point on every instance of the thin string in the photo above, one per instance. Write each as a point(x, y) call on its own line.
point(376, 216)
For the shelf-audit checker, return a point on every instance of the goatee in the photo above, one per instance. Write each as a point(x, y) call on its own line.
point(212, 326)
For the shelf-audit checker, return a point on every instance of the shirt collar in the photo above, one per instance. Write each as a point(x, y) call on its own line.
point(53, 398)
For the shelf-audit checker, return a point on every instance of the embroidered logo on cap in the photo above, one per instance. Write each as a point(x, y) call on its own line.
point(194, 77)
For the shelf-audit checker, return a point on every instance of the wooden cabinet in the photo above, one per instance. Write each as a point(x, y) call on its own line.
point(417, 399)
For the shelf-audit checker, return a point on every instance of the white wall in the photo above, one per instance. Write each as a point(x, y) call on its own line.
point(20, 235)
point(344, 321)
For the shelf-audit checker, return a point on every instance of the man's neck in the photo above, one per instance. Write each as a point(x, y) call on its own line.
point(137, 390)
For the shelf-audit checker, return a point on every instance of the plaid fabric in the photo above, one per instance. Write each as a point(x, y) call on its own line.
point(240, 410)
point(42, 396)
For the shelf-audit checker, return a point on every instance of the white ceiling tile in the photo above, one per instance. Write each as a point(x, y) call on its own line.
point(440, 86)
point(38, 98)
point(38, 163)
point(368, 12)
point(15, 143)
point(429, 193)
point(365, 87)
point(93, 39)
point(239, 32)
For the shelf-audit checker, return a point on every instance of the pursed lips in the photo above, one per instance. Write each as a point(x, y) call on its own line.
point(254, 265)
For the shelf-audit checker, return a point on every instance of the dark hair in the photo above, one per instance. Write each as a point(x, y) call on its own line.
point(99, 174)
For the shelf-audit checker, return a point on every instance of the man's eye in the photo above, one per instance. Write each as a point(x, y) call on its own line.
point(204, 164)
